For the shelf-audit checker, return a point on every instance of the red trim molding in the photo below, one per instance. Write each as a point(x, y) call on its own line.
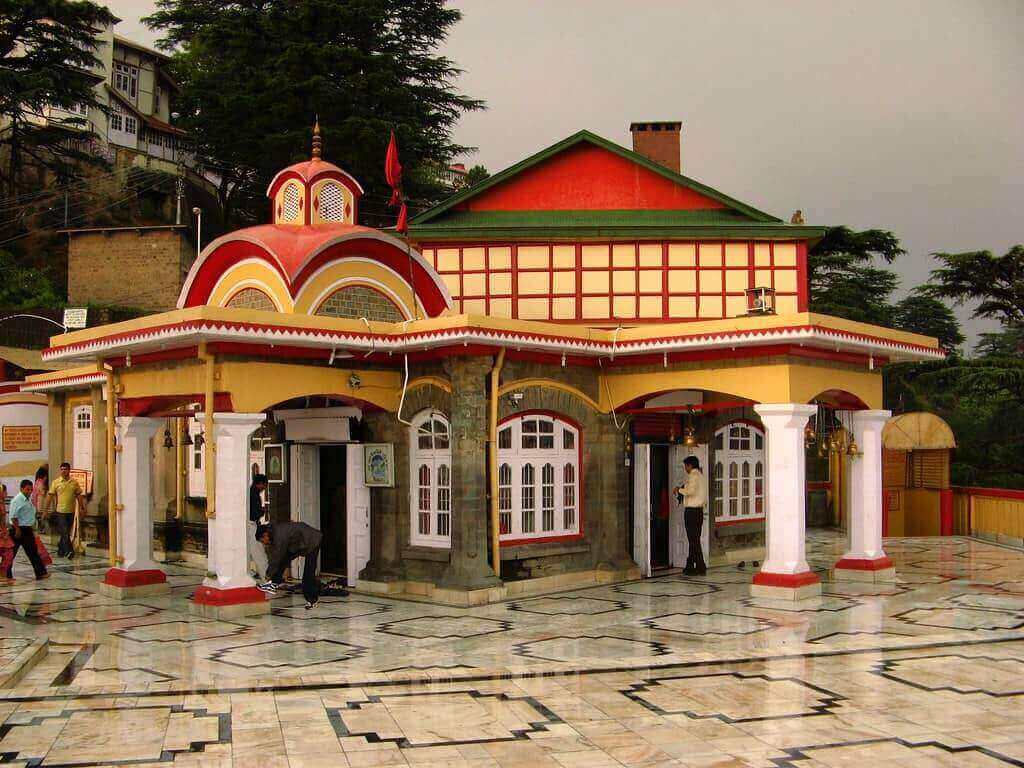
point(790, 580)
point(236, 596)
point(727, 523)
point(859, 564)
point(119, 577)
point(992, 493)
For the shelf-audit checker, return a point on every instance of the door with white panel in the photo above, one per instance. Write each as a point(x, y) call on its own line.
point(357, 499)
point(642, 507)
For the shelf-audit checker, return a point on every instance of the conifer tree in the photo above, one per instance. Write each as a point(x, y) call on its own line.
point(47, 59)
point(254, 75)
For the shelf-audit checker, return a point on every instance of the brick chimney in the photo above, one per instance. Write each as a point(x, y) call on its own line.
point(659, 142)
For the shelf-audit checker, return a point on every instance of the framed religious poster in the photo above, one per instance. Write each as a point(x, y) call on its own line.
point(274, 464)
point(379, 464)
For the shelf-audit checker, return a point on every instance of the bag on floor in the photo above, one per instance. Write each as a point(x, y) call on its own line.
point(44, 555)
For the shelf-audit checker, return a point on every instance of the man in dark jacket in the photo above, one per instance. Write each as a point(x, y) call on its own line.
point(287, 541)
point(257, 554)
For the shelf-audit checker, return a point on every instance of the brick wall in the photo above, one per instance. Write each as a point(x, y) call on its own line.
point(142, 268)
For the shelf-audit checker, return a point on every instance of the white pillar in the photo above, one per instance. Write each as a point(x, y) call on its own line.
point(135, 574)
point(784, 572)
point(865, 560)
point(231, 590)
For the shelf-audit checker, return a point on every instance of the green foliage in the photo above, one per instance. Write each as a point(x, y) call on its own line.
point(843, 279)
point(921, 313)
point(476, 174)
point(982, 398)
point(254, 75)
point(995, 282)
point(23, 287)
point(47, 49)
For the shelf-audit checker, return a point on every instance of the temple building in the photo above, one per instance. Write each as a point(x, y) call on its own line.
point(499, 403)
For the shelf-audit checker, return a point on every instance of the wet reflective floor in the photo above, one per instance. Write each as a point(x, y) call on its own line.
point(667, 671)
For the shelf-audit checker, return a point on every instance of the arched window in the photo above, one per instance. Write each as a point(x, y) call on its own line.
point(538, 478)
point(331, 202)
point(252, 298)
point(737, 483)
point(430, 461)
point(291, 204)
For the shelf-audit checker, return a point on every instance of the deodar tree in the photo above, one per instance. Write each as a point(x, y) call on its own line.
point(47, 61)
point(254, 76)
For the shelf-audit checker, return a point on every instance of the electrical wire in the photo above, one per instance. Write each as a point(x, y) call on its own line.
point(134, 186)
point(135, 193)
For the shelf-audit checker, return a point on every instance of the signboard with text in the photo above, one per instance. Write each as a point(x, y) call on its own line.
point(14, 438)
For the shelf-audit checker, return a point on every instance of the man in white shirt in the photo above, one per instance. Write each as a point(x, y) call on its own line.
point(693, 496)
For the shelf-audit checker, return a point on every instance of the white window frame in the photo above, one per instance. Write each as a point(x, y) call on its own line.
point(126, 79)
point(430, 486)
point(738, 467)
point(524, 480)
point(131, 125)
point(196, 461)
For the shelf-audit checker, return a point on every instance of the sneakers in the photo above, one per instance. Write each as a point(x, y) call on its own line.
point(269, 587)
point(311, 605)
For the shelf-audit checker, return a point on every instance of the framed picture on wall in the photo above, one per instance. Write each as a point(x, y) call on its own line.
point(379, 464)
point(274, 463)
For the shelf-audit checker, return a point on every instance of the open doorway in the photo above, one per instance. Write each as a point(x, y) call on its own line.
point(661, 502)
point(333, 552)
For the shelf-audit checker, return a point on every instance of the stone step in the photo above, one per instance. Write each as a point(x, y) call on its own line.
point(18, 656)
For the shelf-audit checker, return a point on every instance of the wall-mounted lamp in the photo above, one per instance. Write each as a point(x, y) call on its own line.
point(354, 382)
point(515, 398)
point(168, 441)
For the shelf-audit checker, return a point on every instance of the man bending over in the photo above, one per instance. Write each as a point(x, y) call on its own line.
point(287, 541)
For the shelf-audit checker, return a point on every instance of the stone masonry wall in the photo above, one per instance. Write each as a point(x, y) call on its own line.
point(143, 268)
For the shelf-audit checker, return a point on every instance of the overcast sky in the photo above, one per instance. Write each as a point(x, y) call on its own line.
point(899, 114)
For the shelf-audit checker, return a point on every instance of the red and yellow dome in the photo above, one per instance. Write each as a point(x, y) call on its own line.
point(314, 259)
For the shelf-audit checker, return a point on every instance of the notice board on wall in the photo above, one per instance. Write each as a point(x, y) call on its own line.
point(14, 438)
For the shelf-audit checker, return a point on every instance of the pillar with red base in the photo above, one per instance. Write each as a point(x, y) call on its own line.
point(865, 560)
point(135, 574)
point(784, 573)
point(228, 590)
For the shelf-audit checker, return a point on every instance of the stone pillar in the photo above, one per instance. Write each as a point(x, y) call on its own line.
point(228, 590)
point(468, 568)
point(784, 573)
point(135, 574)
point(865, 560)
point(605, 445)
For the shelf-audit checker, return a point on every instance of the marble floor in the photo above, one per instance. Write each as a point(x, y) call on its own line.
point(670, 671)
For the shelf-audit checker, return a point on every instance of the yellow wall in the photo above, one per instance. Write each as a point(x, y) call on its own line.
point(997, 517)
point(252, 274)
point(774, 382)
point(255, 386)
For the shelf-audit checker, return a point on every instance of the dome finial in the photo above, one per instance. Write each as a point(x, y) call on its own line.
point(317, 142)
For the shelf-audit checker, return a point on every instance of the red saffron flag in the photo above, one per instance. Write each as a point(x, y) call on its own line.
point(393, 171)
point(403, 220)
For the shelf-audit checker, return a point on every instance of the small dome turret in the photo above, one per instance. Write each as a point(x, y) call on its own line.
point(314, 192)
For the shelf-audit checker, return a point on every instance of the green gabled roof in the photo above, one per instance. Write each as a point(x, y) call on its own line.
point(749, 213)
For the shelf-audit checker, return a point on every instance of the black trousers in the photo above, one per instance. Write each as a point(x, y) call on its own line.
point(65, 520)
point(693, 519)
point(310, 583)
point(26, 540)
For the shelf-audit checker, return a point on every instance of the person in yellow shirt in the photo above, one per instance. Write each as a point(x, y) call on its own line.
point(67, 495)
